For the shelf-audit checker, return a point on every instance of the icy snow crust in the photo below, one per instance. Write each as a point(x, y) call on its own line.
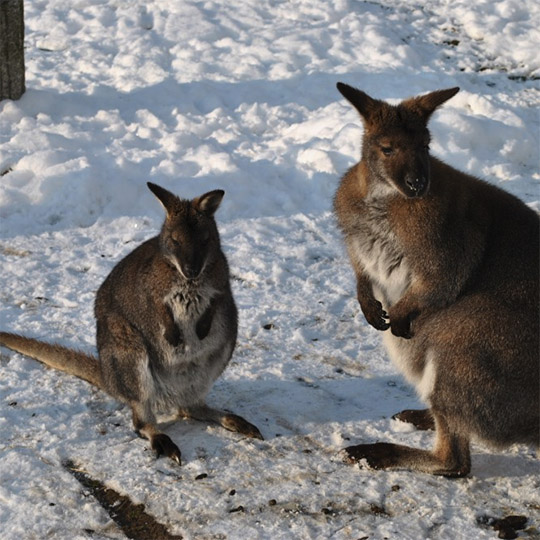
point(240, 95)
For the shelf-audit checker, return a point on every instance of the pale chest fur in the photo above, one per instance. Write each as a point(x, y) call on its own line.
point(374, 248)
point(187, 307)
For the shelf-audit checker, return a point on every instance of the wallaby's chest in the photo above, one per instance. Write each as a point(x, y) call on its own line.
point(189, 320)
point(375, 248)
point(186, 306)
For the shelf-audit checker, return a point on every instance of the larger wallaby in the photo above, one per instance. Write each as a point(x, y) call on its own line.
point(447, 266)
point(166, 324)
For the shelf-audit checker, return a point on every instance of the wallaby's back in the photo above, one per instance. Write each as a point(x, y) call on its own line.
point(488, 340)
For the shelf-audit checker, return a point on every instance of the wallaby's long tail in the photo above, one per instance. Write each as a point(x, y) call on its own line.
point(53, 355)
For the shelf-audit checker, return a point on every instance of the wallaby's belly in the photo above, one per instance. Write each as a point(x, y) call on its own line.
point(414, 361)
point(189, 377)
point(189, 368)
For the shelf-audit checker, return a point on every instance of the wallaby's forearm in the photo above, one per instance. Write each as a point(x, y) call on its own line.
point(371, 307)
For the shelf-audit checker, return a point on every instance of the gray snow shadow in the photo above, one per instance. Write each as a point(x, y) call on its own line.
point(357, 410)
point(319, 401)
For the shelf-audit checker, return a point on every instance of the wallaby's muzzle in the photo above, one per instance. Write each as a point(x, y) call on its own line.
point(191, 272)
point(416, 186)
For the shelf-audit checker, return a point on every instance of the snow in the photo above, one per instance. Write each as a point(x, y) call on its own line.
point(240, 95)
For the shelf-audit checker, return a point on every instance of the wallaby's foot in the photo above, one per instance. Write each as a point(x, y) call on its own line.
point(420, 419)
point(162, 445)
point(229, 421)
point(377, 455)
point(236, 423)
point(394, 456)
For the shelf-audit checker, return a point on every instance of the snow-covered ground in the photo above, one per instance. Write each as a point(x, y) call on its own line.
point(240, 95)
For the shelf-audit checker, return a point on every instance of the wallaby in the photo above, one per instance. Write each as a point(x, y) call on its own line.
point(449, 264)
point(166, 325)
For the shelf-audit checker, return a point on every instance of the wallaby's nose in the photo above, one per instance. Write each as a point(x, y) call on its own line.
point(416, 185)
point(189, 271)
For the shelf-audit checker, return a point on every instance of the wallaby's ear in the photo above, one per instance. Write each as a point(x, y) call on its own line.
point(165, 197)
point(426, 104)
point(209, 202)
point(364, 104)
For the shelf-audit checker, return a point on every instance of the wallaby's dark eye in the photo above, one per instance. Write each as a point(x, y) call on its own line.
point(387, 150)
point(175, 241)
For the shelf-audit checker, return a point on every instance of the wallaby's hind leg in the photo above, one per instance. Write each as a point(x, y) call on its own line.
point(144, 423)
point(420, 418)
point(123, 354)
point(229, 421)
point(450, 457)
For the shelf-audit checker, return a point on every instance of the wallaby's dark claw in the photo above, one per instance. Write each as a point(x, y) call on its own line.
point(383, 325)
point(255, 434)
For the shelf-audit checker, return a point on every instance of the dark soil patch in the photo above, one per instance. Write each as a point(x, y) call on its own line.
point(507, 527)
point(131, 518)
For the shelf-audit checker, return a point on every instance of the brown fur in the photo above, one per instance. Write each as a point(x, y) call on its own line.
point(448, 266)
point(166, 325)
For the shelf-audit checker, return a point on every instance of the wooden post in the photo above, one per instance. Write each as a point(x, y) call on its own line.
point(12, 81)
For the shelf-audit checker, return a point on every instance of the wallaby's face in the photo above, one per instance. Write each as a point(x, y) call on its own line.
point(186, 238)
point(189, 234)
point(397, 153)
point(396, 140)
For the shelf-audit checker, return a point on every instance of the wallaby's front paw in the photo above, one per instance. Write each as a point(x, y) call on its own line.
point(401, 327)
point(401, 318)
point(163, 446)
point(236, 423)
point(375, 315)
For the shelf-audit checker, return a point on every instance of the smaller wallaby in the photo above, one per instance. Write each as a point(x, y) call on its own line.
point(166, 325)
point(447, 266)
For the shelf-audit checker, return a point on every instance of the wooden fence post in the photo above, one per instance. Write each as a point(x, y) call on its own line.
point(12, 79)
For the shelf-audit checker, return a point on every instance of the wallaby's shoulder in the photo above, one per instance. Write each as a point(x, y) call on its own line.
point(467, 187)
point(350, 203)
point(141, 269)
point(511, 228)
point(140, 259)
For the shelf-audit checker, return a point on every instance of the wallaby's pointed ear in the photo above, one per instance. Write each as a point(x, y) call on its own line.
point(363, 103)
point(428, 103)
point(209, 202)
point(165, 197)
